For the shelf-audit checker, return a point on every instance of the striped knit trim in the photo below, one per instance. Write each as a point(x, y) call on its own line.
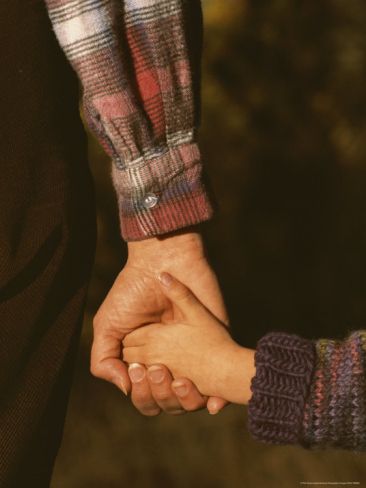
point(284, 367)
point(335, 411)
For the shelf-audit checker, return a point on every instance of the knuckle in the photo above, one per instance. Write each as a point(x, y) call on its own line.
point(162, 395)
point(146, 406)
point(195, 402)
point(184, 295)
point(142, 398)
point(153, 412)
point(193, 407)
point(95, 370)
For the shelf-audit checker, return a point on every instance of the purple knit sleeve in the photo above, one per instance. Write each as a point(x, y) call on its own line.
point(335, 410)
point(311, 393)
point(284, 367)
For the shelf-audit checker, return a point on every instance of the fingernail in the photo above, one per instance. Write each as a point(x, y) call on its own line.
point(166, 279)
point(119, 383)
point(123, 388)
point(212, 411)
point(212, 408)
point(136, 372)
point(156, 374)
point(181, 389)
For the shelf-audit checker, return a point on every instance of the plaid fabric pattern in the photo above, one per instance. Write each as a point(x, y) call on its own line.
point(138, 62)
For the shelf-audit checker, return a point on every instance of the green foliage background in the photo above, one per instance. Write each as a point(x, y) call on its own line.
point(283, 138)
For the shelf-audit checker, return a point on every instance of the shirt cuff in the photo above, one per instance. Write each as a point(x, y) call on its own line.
point(284, 368)
point(163, 193)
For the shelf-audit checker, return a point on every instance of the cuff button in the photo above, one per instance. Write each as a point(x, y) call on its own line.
point(150, 200)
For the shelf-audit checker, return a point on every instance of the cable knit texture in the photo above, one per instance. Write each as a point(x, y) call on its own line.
point(138, 62)
point(335, 411)
point(310, 392)
point(284, 366)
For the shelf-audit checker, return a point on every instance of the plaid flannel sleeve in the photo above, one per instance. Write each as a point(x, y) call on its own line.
point(138, 62)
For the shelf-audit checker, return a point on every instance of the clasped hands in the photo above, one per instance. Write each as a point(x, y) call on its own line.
point(138, 308)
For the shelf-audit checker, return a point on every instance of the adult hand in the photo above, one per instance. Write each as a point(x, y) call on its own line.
point(154, 390)
point(134, 300)
point(199, 347)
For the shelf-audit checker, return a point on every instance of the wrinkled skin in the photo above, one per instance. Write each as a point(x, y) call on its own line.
point(134, 301)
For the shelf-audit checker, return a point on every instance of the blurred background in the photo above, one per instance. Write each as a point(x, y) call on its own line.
point(283, 137)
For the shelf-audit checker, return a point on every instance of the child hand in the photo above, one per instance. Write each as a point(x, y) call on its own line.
point(197, 347)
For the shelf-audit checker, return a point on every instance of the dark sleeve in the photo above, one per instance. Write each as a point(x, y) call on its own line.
point(310, 393)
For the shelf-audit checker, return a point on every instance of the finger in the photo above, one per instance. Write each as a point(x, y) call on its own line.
point(140, 336)
point(188, 395)
point(106, 363)
point(141, 395)
point(160, 380)
point(215, 404)
point(134, 354)
point(180, 295)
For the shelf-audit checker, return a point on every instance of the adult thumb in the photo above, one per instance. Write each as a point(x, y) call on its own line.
point(106, 362)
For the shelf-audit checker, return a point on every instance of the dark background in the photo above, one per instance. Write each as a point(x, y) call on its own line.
point(283, 138)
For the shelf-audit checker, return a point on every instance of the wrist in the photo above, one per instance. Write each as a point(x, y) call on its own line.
point(239, 371)
point(168, 251)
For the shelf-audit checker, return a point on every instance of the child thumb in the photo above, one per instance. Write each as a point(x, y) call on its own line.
point(179, 294)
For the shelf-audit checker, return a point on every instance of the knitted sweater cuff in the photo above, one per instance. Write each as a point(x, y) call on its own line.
point(284, 368)
point(335, 415)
